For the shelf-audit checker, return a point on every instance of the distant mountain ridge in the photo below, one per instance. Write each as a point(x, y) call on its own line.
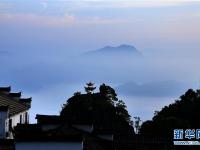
point(153, 89)
point(122, 49)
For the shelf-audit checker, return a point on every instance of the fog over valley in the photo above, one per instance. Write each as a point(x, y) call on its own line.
point(148, 53)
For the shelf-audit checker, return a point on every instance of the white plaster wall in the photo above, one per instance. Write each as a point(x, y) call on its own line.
point(15, 121)
point(3, 117)
point(16, 118)
point(48, 146)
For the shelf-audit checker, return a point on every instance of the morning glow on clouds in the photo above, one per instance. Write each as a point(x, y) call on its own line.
point(129, 3)
point(103, 3)
point(61, 7)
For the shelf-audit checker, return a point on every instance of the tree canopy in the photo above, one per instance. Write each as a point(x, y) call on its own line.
point(102, 109)
point(183, 113)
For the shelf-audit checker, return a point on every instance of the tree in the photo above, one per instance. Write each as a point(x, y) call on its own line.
point(108, 92)
point(183, 113)
point(120, 106)
point(77, 93)
point(102, 109)
point(122, 111)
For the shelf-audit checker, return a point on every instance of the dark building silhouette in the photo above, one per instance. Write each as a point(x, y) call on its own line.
point(13, 110)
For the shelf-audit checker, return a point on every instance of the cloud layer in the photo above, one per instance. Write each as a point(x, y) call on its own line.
point(41, 43)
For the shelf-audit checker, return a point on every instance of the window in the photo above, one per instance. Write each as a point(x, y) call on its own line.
point(20, 119)
point(26, 118)
point(10, 124)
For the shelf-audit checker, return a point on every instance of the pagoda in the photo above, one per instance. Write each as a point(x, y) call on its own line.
point(89, 88)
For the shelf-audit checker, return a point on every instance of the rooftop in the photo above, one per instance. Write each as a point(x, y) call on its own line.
point(48, 119)
point(5, 89)
point(35, 132)
point(8, 99)
point(3, 108)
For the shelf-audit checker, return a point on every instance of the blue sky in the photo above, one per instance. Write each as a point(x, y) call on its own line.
point(41, 43)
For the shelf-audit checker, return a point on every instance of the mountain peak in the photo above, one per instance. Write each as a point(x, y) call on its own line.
point(122, 46)
point(121, 50)
point(126, 46)
point(108, 47)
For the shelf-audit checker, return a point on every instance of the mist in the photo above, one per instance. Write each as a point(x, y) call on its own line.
point(43, 46)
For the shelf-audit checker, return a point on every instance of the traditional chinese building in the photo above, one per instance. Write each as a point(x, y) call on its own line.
point(13, 110)
point(52, 132)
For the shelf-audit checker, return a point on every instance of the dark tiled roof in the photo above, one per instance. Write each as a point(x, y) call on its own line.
point(3, 108)
point(35, 132)
point(48, 119)
point(26, 100)
point(14, 105)
point(55, 119)
point(16, 94)
point(5, 89)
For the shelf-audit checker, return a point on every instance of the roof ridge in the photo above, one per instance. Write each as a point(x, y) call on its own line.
point(10, 100)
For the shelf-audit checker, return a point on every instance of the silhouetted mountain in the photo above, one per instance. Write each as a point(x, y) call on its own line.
point(152, 89)
point(122, 50)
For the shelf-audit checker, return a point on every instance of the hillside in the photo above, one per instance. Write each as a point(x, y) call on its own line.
point(182, 114)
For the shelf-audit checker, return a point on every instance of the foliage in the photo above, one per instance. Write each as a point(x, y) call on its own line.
point(120, 106)
point(183, 113)
point(108, 92)
point(101, 109)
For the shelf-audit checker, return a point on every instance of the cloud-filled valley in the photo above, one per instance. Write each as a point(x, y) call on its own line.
point(148, 53)
point(141, 78)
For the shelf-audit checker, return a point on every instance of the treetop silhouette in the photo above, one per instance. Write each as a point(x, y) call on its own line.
point(102, 109)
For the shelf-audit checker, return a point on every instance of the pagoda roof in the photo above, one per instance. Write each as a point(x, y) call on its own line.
point(90, 84)
point(90, 87)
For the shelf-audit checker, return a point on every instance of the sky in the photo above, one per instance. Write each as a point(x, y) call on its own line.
point(42, 42)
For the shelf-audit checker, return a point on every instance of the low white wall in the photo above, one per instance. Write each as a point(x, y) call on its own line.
point(16, 118)
point(48, 146)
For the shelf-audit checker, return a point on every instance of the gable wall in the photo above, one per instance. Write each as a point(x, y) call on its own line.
point(15, 121)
